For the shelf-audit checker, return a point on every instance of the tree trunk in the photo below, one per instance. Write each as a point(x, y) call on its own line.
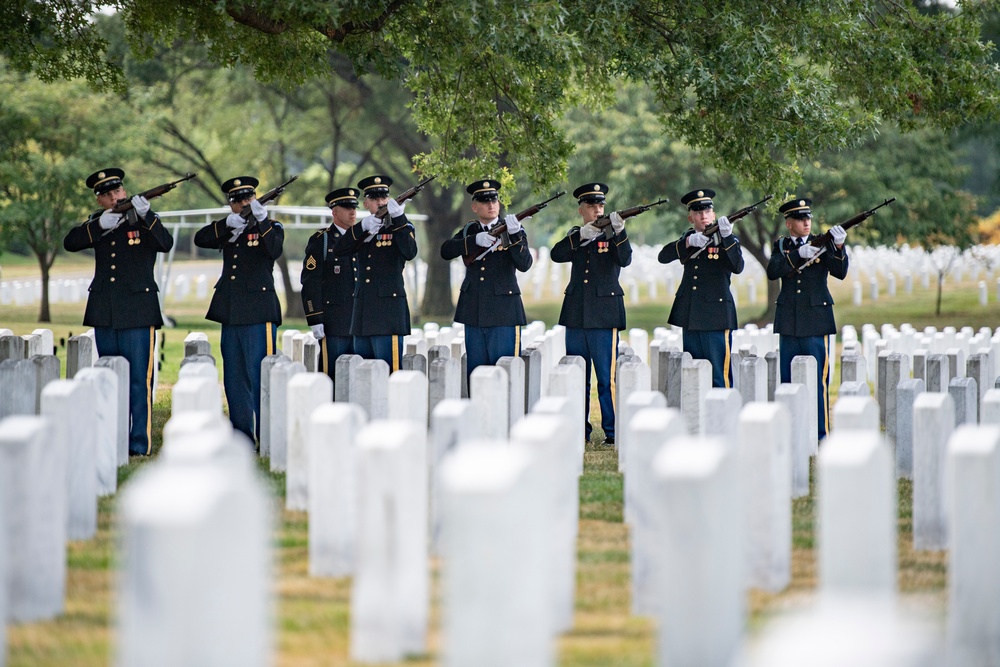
point(754, 237)
point(293, 302)
point(443, 220)
point(937, 308)
point(44, 315)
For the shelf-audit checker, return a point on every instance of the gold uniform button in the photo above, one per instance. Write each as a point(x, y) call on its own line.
point(369, 268)
point(586, 281)
point(482, 268)
point(147, 289)
point(112, 243)
point(263, 289)
point(799, 281)
point(112, 267)
point(367, 281)
point(112, 278)
point(696, 266)
point(232, 277)
point(586, 270)
point(234, 266)
point(482, 279)
point(824, 303)
point(235, 256)
point(696, 277)
point(695, 287)
point(798, 291)
point(394, 294)
point(510, 292)
point(112, 255)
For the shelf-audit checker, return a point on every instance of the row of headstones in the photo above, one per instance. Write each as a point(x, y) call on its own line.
point(505, 526)
point(56, 459)
point(955, 468)
point(351, 535)
point(956, 344)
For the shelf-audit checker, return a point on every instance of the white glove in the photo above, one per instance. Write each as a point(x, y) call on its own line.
point(513, 225)
point(486, 240)
point(697, 240)
point(617, 222)
point(110, 219)
point(370, 224)
point(839, 234)
point(235, 221)
point(589, 232)
point(318, 332)
point(259, 210)
point(725, 227)
point(807, 251)
point(141, 205)
point(395, 208)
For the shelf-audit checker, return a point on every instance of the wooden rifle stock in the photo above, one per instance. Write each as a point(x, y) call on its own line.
point(500, 229)
point(822, 240)
point(383, 211)
point(268, 197)
point(733, 217)
point(826, 237)
point(125, 205)
point(605, 220)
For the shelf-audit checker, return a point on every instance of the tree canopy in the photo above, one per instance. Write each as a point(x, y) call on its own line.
point(759, 87)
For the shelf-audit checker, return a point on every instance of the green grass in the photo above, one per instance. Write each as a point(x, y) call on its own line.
point(312, 622)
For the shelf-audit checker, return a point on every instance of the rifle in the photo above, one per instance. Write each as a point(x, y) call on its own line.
point(125, 205)
point(383, 211)
point(605, 220)
point(499, 229)
point(822, 241)
point(733, 217)
point(246, 213)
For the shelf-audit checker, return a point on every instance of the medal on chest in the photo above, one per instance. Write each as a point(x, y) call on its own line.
point(336, 268)
point(383, 240)
point(712, 252)
point(253, 240)
point(133, 238)
point(603, 246)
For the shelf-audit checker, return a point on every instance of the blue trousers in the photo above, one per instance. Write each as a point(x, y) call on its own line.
point(137, 346)
point(599, 349)
point(814, 346)
point(714, 346)
point(485, 345)
point(330, 349)
point(387, 348)
point(244, 346)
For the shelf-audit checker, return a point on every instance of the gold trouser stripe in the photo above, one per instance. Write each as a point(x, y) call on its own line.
point(395, 353)
point(269, 337)
point(825, 389)
point(326, 357)
point(614, 364)
point(149, 390)
point(725, 368)
point(517, 341)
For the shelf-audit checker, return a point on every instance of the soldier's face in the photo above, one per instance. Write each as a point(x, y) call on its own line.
point(701, 219)
point(238, 205)
point(486, 210)
point(799, 226)
point(344, 217)
point(591, 212)
point(372, 203)
point(111, 197)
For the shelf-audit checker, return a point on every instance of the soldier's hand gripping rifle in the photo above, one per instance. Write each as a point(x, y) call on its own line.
point(500, 230)
point(824, 240)
point(713, 228)
point(125, 205)
point(247, 213)
point(383, 211)
point(605, 220)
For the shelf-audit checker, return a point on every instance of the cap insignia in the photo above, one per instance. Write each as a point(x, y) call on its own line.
point(701, 193)
point(237, 182)
point(597, 188)
point(101, 175)
point(378, 180)
point(802, 202)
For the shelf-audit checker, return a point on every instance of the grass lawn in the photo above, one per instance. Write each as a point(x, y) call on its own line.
point(313, 614)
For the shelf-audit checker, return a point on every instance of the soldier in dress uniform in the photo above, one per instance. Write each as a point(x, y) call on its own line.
point(380, 316)
point(703, 305)
point(123, 306)
point(489, 304)
point(328, 281)
point(245, 302)
point(593, 309)
point(804, 316)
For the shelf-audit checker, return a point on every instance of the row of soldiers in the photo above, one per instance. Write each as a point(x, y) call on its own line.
point(355, 300)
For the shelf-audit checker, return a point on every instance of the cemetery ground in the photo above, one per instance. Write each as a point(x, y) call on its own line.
point(312, 614)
